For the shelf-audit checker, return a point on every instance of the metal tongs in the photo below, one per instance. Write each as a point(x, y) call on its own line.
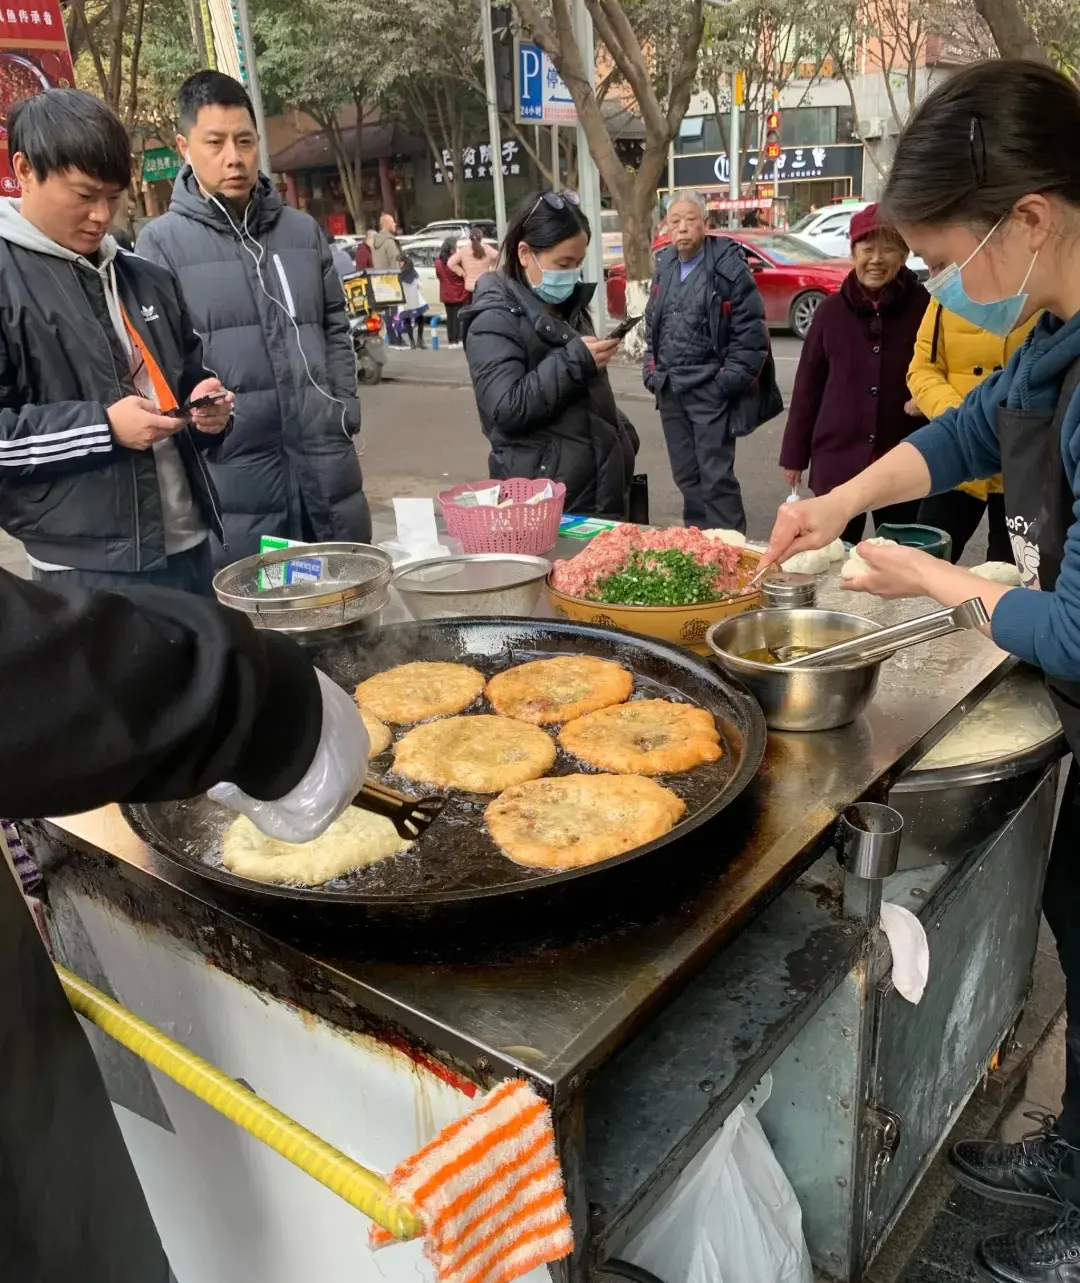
point(411, 816)
point(886, 641)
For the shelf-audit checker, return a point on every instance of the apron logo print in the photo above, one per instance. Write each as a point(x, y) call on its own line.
point(1025, 553)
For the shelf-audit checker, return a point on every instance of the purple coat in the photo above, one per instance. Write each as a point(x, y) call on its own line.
point(851, 387)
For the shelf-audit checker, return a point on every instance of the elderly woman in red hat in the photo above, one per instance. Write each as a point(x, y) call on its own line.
point(847, 408)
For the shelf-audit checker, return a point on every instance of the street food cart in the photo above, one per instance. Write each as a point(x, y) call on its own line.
point(644, 1002)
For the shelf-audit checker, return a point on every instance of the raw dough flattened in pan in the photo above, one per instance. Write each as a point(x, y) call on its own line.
point(482, 754)
point(644, 737)
point(566, 821)
point(546, 691)
point(377, 732)
point(355, 839)
point(415, 692)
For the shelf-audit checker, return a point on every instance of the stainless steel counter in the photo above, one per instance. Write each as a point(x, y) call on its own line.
point(557, 1006)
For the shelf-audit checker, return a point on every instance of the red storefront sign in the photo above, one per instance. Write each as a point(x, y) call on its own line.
point(337, 224)
point(33, 56)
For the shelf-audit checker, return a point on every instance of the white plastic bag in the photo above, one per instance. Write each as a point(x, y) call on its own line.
point(732, 1217)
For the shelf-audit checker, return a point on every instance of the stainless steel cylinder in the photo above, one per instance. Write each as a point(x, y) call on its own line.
point(868, 840)
point(789, 590)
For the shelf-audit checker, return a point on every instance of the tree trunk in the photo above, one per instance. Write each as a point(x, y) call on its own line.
point(1012, 35)
point(133, 70)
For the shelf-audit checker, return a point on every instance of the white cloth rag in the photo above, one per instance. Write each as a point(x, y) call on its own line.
point(910, 951)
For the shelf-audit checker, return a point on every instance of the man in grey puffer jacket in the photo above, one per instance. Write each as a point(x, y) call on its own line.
point(267, 302)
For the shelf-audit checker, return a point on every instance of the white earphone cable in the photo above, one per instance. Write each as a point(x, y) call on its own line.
point(245, 237)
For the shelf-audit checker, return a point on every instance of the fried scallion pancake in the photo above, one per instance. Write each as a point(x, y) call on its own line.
point(546, 691)
point(377, 732)
point(415, 692)
point(644, 737)
point(355, 839)
point(482, 754)
point(566, 821)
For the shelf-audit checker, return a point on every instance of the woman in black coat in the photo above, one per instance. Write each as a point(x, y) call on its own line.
point(538, 371)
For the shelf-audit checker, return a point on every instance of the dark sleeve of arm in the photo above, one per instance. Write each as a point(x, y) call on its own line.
point(513, 397)
point(193, 373)
point(748, 335)
point(46, 440)
point(340, 362)
point(810, 380)
point(157, 696)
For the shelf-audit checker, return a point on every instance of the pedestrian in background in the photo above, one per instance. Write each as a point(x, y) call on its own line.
point(100, 477)
point(452, 292)
point(538, 371)
point(952, 356)
point(411, 317)
point(385, 250)
point(364, 261)
point(263, 292)
point(344, 263)
point(473, 260)
point(848, 406)
point(708, 361)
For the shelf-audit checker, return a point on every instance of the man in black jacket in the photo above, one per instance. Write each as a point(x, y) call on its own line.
point(707, 347)
point(268, 302)
point(150, 696)
point(102, 484)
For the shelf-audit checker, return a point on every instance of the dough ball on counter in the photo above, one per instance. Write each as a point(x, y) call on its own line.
point(817, 561)
point(355, 839)
point(814, 562)
point(733, 537)
point(855, 566)
point(998, 572)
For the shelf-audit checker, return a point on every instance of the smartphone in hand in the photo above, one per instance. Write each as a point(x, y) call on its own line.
point(183, 411)
point(621, 331)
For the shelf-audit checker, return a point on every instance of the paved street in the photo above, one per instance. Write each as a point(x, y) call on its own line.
point(421, 429)
point(421, 434)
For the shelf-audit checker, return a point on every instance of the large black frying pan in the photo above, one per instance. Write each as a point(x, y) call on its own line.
point(456, 862)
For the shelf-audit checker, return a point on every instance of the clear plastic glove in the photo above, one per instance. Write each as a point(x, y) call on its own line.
point(331, 782)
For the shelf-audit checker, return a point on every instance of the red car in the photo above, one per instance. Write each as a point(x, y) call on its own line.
point(793, 278)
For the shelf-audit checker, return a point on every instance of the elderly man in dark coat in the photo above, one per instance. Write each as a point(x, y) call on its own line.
point(708, 361)
point(267, 301)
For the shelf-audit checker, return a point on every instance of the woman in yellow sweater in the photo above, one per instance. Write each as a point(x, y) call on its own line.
point(952, 356)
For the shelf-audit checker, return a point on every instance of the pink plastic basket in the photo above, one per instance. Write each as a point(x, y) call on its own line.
point(528, 528)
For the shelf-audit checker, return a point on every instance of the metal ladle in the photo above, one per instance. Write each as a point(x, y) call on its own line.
point(886, 641)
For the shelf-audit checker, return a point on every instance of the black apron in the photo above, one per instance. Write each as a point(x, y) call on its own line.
point(71, 1208)
point(1038, 513)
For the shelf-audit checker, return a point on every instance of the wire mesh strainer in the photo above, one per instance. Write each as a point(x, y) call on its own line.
point(308, 587)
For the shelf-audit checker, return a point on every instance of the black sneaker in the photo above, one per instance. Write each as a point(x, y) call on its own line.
point(1050, 1255)
point(1042, 1170)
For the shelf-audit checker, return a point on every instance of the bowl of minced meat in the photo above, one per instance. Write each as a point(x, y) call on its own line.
point(672, 584)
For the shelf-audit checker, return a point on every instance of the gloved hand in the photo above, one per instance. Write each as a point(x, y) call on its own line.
point(331, 782)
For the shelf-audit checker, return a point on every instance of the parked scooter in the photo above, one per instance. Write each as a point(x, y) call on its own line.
point(365, 327)
point(368, 346)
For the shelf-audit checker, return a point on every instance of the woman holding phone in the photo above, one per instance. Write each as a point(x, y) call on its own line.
point(985, 187)
point(539, 373)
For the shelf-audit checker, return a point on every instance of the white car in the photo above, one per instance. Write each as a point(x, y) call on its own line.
point(424, 250)
point(828, 230)
point(460, 227)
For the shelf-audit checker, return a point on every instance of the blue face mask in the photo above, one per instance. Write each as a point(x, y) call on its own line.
point(556, 286)
point(1000, 317)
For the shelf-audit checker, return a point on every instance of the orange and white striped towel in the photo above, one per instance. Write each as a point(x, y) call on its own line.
point(489, 1191)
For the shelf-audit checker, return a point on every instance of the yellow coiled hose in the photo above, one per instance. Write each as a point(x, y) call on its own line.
point(365, 1190)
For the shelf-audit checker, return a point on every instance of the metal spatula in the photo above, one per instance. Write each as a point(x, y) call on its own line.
point(885, 641)
point(411, 816)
